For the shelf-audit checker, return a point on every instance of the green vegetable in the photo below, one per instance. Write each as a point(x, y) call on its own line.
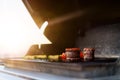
point(41, 56)
point(54, 57)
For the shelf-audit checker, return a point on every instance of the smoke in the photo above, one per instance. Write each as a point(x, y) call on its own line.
point(66, 17)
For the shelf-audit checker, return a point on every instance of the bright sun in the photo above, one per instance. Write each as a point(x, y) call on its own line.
point(18, 31)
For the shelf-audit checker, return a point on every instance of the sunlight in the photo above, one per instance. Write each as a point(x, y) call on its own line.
point(18, 30)
point(39, 38)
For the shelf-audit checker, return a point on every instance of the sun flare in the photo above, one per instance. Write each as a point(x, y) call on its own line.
point(18, 30)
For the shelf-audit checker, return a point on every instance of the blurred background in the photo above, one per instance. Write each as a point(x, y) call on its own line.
point(77, 23)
